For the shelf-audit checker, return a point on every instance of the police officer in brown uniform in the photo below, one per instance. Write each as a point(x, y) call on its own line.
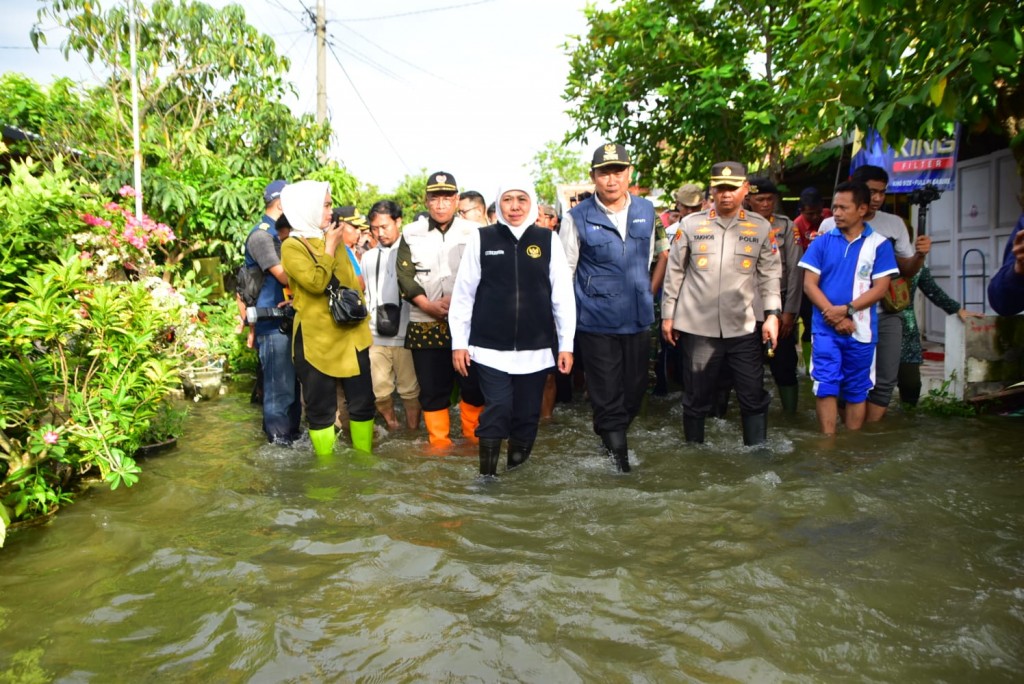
point(763, 198)
point(718, 260)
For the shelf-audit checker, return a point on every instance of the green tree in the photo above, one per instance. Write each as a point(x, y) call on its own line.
point(686, 84)
point(911, 69)
point(556, 164)
point(213, 126)
point(689, 83)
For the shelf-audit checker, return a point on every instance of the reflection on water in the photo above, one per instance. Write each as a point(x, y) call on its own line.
point(894, 555)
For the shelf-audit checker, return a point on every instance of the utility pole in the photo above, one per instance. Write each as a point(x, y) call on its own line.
point(321, 61)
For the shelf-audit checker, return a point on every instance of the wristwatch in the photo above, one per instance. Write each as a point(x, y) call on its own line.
point(850, 311)
point(772, 312)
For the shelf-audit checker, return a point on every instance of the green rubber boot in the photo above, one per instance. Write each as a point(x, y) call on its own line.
point(362, 434)
point(323, 441)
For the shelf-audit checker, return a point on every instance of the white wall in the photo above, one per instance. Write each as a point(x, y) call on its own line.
point(979, 214)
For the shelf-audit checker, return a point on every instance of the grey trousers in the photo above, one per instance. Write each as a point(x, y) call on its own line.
point(887, 357)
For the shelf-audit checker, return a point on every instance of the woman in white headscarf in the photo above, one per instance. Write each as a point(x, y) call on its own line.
point(512, 305)
point(325, 352)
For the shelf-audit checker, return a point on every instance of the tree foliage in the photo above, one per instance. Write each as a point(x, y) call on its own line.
point(214, 128)
point(556, 164)
point(687, 83)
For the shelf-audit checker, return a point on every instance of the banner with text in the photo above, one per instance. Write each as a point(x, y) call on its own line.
point(914, 164)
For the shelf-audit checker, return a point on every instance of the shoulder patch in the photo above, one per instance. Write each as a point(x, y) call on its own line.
point(264, 226)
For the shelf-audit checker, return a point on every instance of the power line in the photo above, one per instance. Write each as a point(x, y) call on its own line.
point(368, 111)
point(400, 59)
point(423, 11)
point(364, 59)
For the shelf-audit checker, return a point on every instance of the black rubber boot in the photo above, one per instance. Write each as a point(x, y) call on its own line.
point(490, 452)
point(693, 429)
point(615, 444)
point(755, 428)
point(788, 395)
point(518, 452)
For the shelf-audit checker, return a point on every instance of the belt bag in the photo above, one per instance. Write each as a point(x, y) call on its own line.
point(388, 319)
point(897, 296)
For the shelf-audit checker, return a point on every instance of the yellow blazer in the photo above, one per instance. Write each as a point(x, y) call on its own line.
point(329, 347)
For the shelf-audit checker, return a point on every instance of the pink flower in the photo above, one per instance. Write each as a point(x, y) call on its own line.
point(95, 221)
point(112, 206)
point(127, 191)
point(51, 437)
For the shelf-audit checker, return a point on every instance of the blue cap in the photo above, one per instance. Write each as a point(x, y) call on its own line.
point(273, 191)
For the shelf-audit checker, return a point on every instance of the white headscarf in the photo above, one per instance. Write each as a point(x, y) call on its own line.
point(303, 204)
point(525, 185)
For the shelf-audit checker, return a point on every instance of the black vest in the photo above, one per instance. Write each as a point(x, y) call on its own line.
point(512, 308)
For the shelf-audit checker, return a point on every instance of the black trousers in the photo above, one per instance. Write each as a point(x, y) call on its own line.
point(320, 393)
point(783, 364)
point(511, 403)
point(437, 377)
point(616, 376)
point(744, 359)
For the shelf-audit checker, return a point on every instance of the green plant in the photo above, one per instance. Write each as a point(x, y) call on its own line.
point(84, 369)
point(167, 423)
point(940, 402)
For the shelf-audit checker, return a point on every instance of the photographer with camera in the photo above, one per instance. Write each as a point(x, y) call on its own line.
point(270, 318)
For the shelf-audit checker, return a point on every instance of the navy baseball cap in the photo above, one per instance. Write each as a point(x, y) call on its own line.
point(273, 191)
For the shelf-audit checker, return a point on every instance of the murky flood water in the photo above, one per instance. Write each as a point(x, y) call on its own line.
point(895, 556)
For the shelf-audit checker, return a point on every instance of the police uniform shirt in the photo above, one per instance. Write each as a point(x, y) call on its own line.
point(784, 234)
point(715, 266)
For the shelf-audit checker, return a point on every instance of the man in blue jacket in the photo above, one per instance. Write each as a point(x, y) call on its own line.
point(610, 245)
point(1006, 289)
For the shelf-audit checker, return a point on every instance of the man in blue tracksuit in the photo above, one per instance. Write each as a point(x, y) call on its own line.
point(610, 244)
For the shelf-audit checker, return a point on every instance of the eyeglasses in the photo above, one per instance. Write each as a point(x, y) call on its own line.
point(442, 199)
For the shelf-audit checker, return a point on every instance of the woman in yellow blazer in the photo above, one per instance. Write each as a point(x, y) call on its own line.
point(325, 352)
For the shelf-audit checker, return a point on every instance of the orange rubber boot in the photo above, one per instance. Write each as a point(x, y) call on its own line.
point(438, 424)
point(470, 419)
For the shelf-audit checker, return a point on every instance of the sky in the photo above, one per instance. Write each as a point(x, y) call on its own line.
point(471, 87)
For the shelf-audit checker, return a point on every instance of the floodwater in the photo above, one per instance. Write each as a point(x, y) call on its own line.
point(893, 555)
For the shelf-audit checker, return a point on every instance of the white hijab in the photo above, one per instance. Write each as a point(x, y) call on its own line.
point(525, 185)
point(303, 204)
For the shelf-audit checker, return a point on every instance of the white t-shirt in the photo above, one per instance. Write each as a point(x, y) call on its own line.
point(887, 225)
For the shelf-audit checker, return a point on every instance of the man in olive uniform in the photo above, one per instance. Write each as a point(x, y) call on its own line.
point(763, 199)
point(428, 261)
point(718, 260)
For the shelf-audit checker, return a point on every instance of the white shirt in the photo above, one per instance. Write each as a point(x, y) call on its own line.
point(515, 362)
point(887, 225)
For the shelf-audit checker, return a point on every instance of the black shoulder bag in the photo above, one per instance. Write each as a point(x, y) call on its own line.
point(346, 304)
point(389, 316)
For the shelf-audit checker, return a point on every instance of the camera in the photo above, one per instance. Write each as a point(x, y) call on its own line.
point(925, 195)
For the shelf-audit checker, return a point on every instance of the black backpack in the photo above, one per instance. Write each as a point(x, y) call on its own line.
point(249, 282)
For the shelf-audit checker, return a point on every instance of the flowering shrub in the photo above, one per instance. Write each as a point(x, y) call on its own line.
point(116, 243)
point(84, 371)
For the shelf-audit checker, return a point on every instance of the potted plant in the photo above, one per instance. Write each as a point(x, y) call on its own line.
point(164, 428)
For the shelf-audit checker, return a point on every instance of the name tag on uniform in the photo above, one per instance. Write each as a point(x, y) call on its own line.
point(639, 220)
point(494, 252)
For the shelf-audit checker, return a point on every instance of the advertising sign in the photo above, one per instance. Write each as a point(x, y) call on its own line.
point(913, 165)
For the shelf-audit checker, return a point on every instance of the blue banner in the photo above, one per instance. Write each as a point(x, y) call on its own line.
point(914, 164)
